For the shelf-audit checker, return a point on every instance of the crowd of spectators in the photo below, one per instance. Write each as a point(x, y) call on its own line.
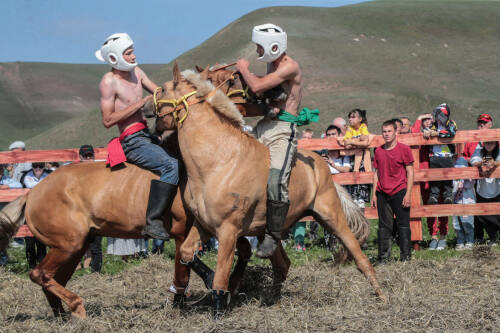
point(356, 156)
point(355, 138)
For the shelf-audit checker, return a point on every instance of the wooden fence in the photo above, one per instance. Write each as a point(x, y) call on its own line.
point(415, 140)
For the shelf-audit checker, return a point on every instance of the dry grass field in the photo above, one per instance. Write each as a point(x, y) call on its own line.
point(455, 295)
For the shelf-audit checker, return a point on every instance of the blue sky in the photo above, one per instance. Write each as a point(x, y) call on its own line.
point(71, 30)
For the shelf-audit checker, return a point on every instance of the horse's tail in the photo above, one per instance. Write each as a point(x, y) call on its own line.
point(11, 218)
point(356, 221)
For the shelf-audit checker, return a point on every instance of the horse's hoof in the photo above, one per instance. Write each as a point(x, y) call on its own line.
point(218, 315)
point(179, 301)
point(382, 298)
point(220, 302)
point(79, 313)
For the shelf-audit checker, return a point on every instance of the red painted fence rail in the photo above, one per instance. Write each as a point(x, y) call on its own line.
point(414, 140)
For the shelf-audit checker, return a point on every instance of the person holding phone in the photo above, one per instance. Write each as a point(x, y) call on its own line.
point(487, 158)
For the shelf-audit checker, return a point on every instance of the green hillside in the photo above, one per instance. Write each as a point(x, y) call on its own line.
point(392, 58)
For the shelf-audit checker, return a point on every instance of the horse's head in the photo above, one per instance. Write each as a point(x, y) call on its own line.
point(230, 82)
point(169, 102)
point(172, 101)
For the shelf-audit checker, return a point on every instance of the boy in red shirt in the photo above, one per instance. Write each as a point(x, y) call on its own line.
point(393, 182)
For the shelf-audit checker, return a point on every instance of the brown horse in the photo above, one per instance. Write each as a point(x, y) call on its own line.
point(76, 202)
point(227, 172)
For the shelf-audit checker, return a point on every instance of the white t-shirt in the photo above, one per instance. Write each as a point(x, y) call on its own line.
point(486, 187)
point(341, 161)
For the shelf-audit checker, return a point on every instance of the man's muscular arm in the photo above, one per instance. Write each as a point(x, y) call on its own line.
point(261, 84)
point(146, 82)
point(110, 116)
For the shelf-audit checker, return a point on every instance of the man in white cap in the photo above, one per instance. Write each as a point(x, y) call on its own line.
point(340, 123)
point(281, 87)
point(121, 105)
point(19, 168)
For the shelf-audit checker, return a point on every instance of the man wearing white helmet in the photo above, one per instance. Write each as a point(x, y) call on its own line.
point(121, 105)
point(281, 87)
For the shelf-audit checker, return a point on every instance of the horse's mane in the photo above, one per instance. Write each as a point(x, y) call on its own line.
point(219, 101)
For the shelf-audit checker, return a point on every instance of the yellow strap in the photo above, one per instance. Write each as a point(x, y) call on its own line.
point(174, 102)
point(236, 91)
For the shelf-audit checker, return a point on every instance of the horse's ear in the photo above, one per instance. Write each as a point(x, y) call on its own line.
point(177, 73)
point(204, 73)
point(198, 68)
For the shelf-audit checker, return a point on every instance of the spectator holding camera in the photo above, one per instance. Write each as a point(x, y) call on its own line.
point(487, 158)
point(484, 121)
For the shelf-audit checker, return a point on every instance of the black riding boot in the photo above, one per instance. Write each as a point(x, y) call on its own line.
point(384, 244)
point(161, 197)
point(275, 218)
point(405, 243)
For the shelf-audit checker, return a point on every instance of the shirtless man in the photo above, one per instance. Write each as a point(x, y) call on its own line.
point(121, 105)
point(282, 86)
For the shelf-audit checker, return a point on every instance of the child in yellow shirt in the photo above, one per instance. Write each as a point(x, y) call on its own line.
point(357, 136)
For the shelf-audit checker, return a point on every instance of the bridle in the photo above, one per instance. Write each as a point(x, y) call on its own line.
point(183, 103)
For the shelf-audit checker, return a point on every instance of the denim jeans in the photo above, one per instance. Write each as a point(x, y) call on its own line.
point(140, 150)
point(158, 246)
point(464, 227)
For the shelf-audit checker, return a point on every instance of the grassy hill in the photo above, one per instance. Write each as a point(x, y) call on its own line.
point(392, 58)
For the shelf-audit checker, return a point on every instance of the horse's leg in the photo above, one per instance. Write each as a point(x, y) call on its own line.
point(181, 275)
point(281, 264)
point(244, 254)
point(188, 256)
point(328, 210)
point(227, 236)
point(62, 276)
point(44, 275)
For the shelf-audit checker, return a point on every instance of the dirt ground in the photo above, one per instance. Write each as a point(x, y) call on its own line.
point(456, 295)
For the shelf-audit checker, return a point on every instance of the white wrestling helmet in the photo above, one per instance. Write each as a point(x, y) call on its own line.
point(112, 51)
point(268, 36)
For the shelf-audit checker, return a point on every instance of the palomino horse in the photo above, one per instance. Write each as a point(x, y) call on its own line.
point(227, 172)
point(76, 202)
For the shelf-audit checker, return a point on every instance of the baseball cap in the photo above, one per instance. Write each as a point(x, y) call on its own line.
point(484, 117)
point(86, 150)
point(16, 145)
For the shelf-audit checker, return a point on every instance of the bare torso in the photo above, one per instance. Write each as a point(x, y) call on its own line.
point(292, 86)
point(125, 90)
